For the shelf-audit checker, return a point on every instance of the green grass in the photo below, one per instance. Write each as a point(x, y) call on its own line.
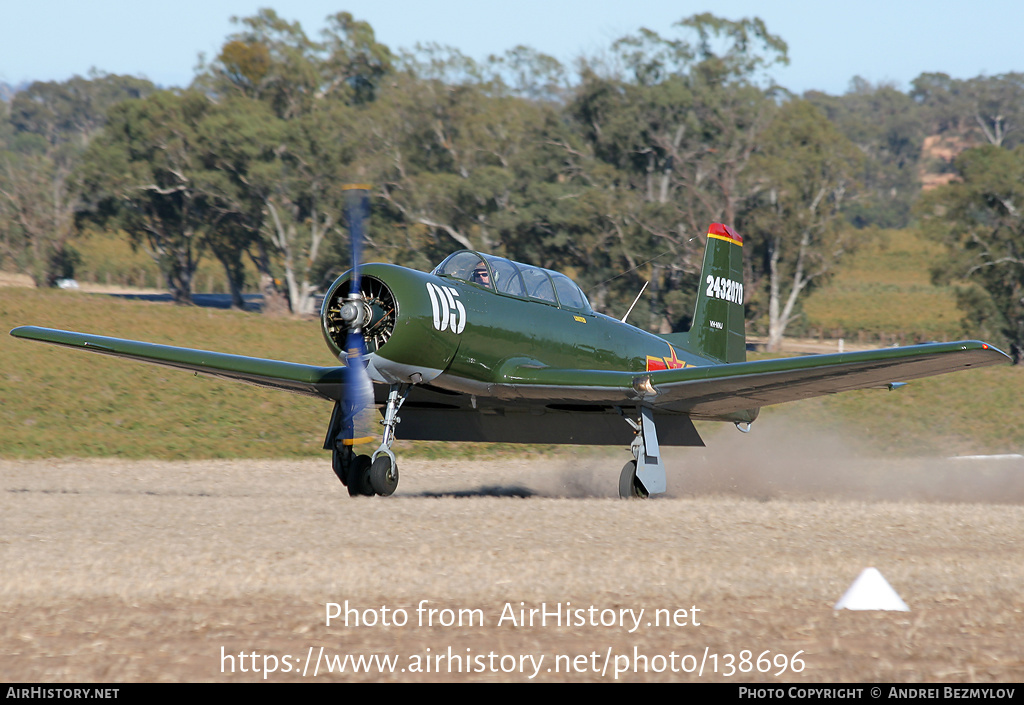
point(56, 402)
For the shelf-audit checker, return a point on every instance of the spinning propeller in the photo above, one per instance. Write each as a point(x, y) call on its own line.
point(358, 392)
point(366, 311)
point(350, 316)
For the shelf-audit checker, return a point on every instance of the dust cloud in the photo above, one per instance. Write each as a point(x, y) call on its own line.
point(781, 459)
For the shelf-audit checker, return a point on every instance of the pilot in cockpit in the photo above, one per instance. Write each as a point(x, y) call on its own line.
point(481, 276)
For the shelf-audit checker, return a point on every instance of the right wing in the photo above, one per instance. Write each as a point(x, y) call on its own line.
point(727, 389)
point(538, 404)
point(719, 391)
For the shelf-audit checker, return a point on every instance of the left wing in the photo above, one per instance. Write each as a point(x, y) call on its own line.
point(718, 390)
point(323, 382)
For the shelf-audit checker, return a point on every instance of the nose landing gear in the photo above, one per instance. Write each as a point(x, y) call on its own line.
point(367, 475)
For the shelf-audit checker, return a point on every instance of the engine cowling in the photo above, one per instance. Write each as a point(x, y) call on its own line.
point(404, 342)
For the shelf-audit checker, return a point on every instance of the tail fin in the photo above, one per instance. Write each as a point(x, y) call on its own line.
point(718, 329)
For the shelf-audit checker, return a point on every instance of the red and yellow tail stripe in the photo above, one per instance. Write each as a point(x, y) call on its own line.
point(720, 231)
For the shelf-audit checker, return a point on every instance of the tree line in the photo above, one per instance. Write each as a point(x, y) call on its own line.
point(610, 172)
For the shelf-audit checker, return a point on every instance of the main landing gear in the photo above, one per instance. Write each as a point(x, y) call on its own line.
point(377, 474)
point(645, 474)
point(366, 475)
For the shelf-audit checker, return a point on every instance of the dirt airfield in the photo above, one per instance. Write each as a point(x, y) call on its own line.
point(121, 571)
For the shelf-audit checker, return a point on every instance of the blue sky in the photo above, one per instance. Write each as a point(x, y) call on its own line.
point(829, 42)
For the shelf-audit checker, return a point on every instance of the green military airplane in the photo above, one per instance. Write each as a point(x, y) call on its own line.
point(486, 349)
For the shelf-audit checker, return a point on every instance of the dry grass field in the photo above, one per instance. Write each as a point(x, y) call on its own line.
point(120, 571)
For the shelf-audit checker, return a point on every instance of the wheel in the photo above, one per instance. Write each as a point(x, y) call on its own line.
point(341, 459)
point(630, 486)
point(384, 475)
point(359, 477)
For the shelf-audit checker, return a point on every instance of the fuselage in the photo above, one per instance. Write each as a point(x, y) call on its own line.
point(465, 335)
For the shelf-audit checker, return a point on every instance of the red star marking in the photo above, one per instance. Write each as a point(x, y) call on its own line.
point(665, 363)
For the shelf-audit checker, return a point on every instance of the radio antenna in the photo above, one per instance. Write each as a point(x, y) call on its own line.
point(635, 300)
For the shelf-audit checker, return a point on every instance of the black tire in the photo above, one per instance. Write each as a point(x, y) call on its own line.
point(340, 463)
point(359, 477)
point(630, 486)
point(384, 475)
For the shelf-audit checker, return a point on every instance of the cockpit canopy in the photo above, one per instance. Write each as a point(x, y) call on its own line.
point(514, 279)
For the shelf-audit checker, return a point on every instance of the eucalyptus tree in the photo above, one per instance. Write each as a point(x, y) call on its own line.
point(47, 126)
point(36, 213)
point(981, 218)
point(238, 143)
point(303, 198)
point(889, 127)
point(983, 109)
point(678, 119)
point(445, 145)
point(801, 177)
point(151, 174)
point(997, 104)
point(310, 88)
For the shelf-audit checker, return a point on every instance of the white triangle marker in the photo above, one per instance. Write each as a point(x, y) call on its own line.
point(870, 591)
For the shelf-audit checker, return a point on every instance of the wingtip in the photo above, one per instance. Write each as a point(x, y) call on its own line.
point(983, 354)
point(982, 345)
point(973, 345)
point(33, 332)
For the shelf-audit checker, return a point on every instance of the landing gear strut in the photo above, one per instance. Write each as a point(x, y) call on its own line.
point(645, 475)
point(384, 468)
